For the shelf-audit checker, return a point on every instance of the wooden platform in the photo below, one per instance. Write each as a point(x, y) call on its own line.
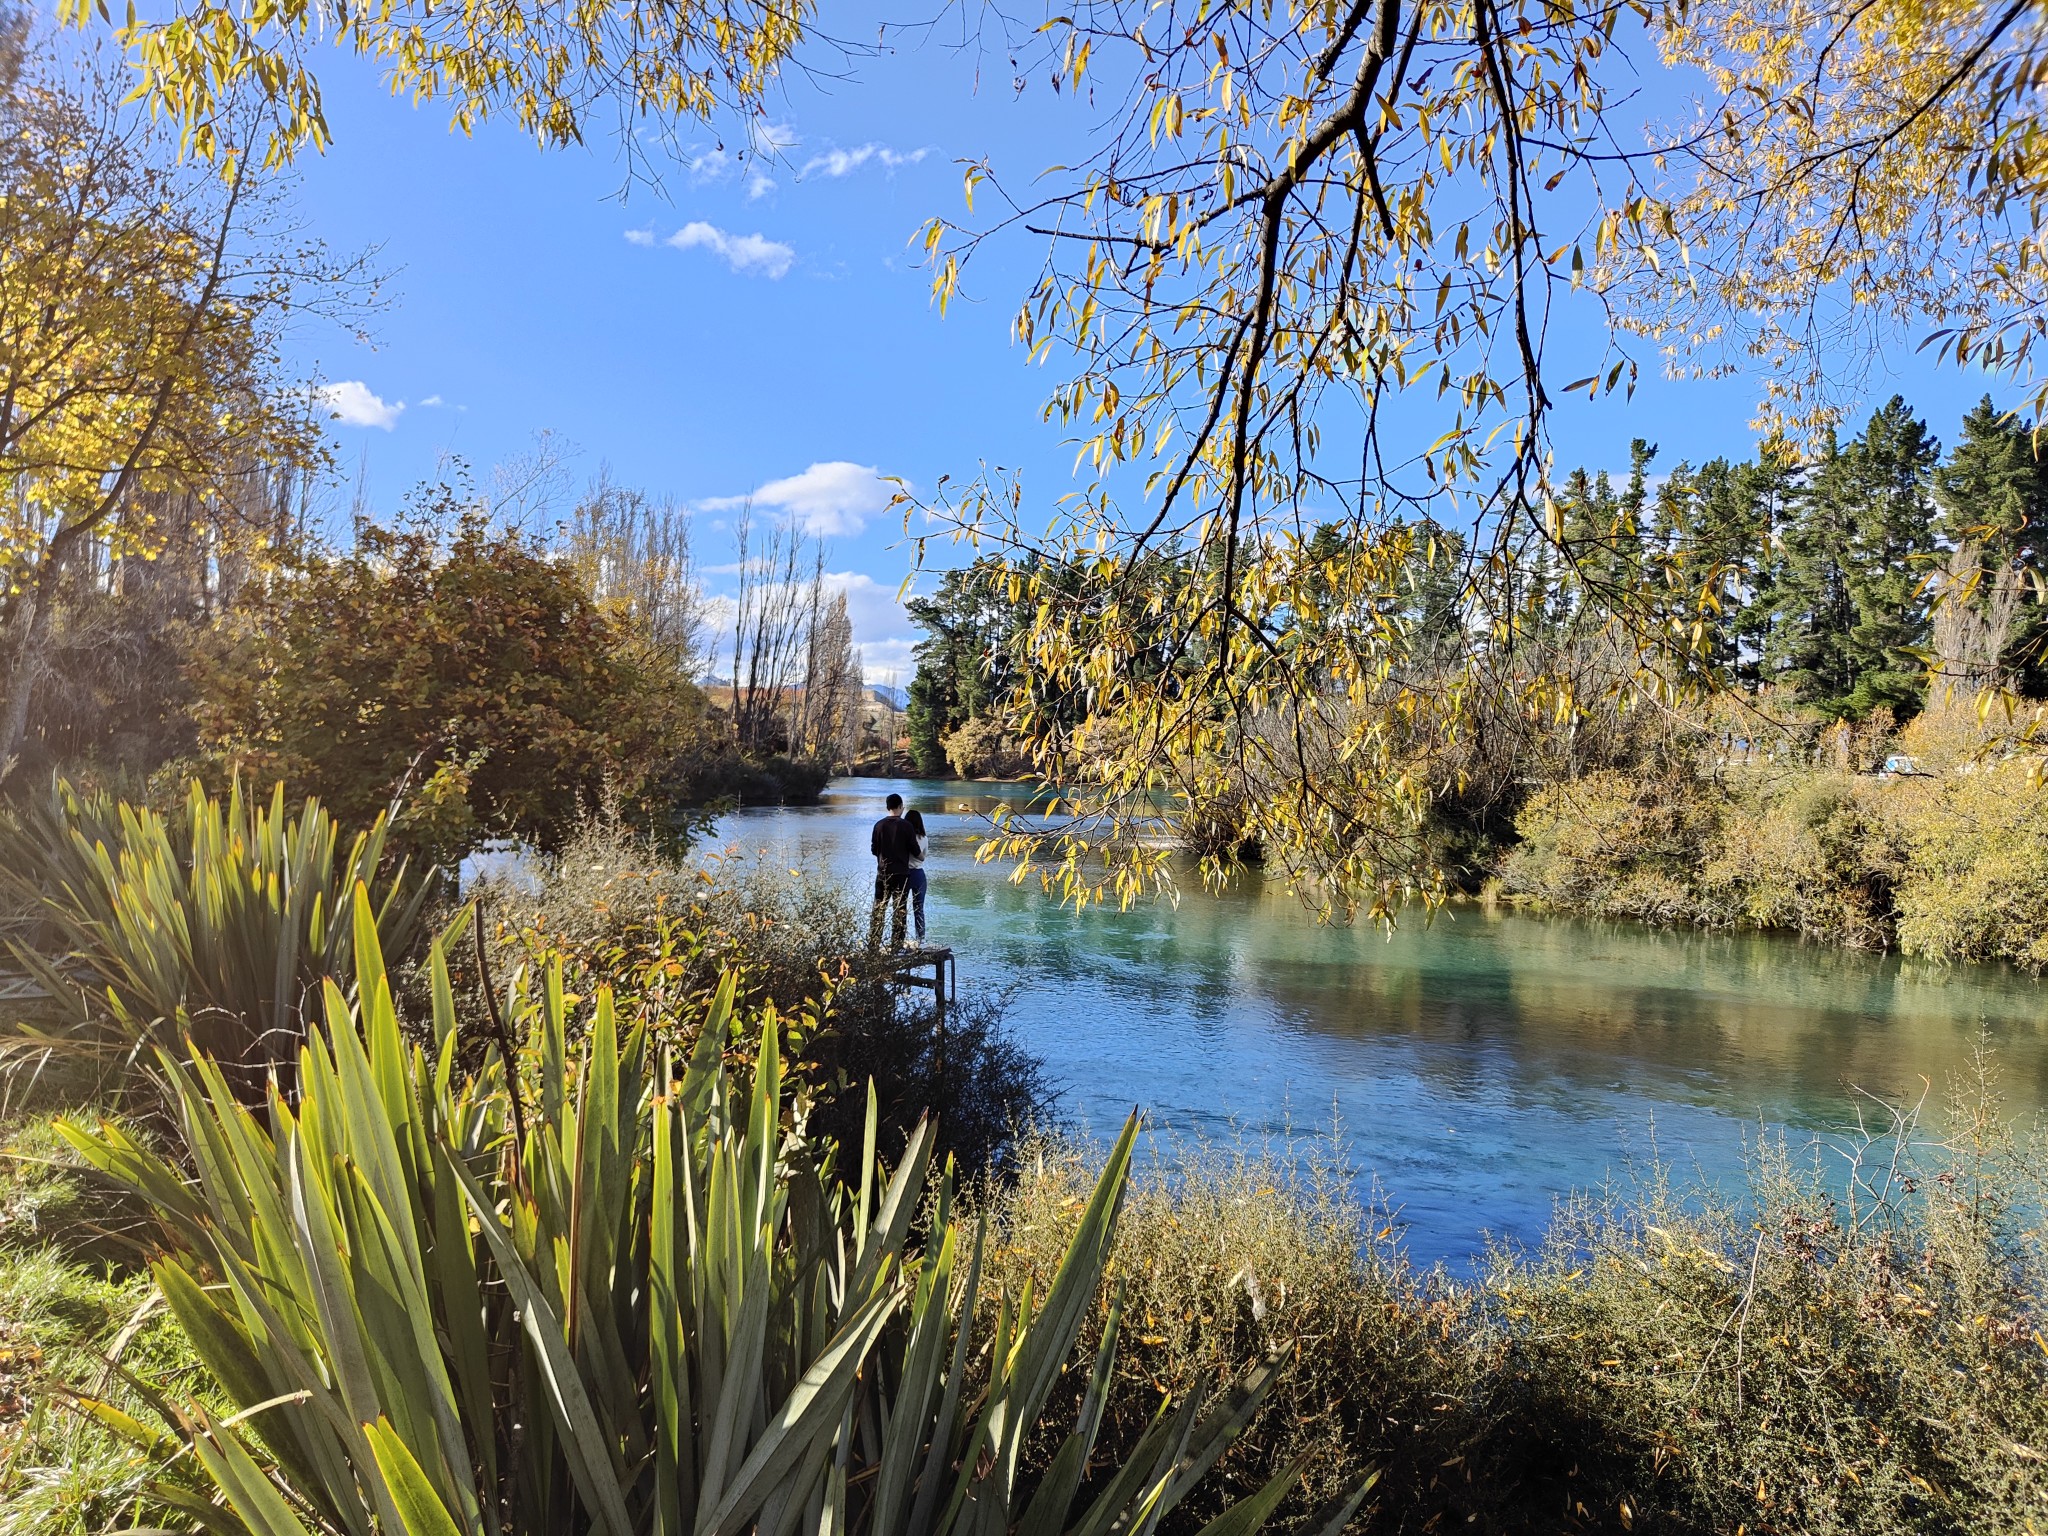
point(906, 968)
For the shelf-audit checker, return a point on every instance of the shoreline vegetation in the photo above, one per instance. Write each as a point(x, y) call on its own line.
point(1823, 1349)
point(1845, 752)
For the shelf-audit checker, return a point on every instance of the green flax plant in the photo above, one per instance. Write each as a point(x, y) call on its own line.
point(220, 925)
point(644, 1304)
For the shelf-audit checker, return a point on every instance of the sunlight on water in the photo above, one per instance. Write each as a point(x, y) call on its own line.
point(1477, 1068)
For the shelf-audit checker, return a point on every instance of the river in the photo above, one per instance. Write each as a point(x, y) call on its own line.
point(1477, 1068)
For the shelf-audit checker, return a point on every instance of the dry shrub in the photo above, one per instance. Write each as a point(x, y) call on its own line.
point(1808, 853)
point(614, 911)
point(1818, 1354)
point(1976, 884)
point(612, 905)
point(1946, 867)
point(1615, 845)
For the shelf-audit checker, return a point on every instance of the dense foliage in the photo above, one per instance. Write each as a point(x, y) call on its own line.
point(1878, 584)
point(1941, 865)
point(217, 925)
point(475, 683)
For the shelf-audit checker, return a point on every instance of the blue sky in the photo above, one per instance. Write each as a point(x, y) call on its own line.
point(761, 326)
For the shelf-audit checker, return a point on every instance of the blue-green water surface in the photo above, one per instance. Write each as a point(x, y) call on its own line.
point(1478, 1067)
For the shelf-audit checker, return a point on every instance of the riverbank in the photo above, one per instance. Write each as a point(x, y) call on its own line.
point(1785, 1350)
point(1774, 1359)
point(1778, 1361)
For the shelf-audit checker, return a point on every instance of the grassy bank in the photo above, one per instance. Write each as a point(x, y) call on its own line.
point(1805, 1355)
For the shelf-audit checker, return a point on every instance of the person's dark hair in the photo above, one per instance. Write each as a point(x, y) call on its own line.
point(914, 819)
point(894, 802)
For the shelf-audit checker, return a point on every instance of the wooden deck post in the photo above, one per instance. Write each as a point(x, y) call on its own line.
point(906, 968)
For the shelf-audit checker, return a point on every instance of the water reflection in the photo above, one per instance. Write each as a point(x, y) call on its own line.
point(1479, 1065)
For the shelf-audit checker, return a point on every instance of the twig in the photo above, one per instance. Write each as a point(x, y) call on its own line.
point(504, 1042)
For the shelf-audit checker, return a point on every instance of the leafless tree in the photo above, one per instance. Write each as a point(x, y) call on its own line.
point(773, 612)
point(635, 555)
point(831, 702)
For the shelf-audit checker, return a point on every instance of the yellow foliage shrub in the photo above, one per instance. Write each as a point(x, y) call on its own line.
point(1976, 880)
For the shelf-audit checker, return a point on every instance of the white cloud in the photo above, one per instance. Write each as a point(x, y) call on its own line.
point(844, 162)
point(639, 237)
point(431, 400)
point(826, 499)
point(711, 165)
point(879, 622)
point(888, 661)
point(775, 138)
point(354, 403)
point(759, 186)
point(743, 253)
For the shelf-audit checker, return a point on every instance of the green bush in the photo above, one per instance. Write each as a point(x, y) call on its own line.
point(219, 924)
point(474, 675)
point(645, 1305)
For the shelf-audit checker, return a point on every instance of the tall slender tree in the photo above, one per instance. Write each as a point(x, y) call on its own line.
point(1993, 496)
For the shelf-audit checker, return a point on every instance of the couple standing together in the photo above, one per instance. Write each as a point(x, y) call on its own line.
point(898, 844)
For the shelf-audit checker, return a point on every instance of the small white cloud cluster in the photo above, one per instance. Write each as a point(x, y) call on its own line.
point(355, 404)
point(844, 162)
point(752, 255)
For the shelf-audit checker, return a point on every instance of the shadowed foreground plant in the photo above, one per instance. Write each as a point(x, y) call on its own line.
point(220, 927)
point(649, 1308)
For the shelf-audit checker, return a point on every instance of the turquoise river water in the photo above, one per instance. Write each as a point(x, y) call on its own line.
point(1477, 1068)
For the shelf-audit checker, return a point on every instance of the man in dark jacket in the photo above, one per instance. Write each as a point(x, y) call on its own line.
point(892, 845)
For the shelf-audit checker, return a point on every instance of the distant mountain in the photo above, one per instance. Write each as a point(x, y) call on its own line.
point(895, 698)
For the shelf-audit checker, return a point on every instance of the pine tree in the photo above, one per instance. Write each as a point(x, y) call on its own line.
point(1806, 652)
point(1888, 471)
point(1438, 592)
point(1602, 549)
point(963, 661)
point(1848, 617)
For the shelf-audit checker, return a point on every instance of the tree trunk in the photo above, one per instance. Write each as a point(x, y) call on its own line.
point(24, 657)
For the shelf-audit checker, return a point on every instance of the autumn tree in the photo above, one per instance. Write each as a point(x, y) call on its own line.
point(1312, 268)
point(451, 665)
point(140, 309)
point(1853, 170)
point(633, 553)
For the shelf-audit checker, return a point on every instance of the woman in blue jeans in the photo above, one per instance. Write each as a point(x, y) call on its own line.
point(914, 820)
